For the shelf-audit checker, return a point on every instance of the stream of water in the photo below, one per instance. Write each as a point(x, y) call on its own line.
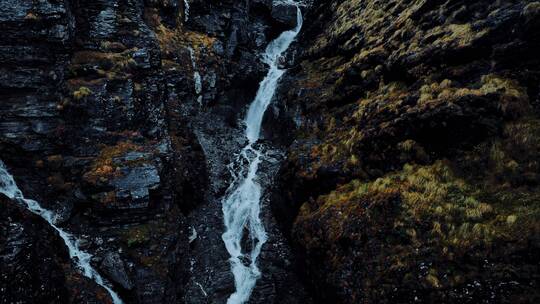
point(186, 10)
point(80, 257)
point(242, 203)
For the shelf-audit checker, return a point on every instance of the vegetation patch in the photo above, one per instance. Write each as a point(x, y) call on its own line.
point(513, 98)
point(81, 93)
point(137, 236)
point(103, 167)
point(423, 222)
point(106, 64)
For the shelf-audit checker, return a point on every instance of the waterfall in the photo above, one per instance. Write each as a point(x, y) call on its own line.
point(241, 205)
point(81, 258)
point(197, 80)
point(186, 10)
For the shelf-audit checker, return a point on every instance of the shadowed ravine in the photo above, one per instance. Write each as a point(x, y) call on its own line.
point(241, 205)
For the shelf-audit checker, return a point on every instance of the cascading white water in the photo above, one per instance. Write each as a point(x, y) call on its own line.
point(241, 205)
point(82, 259)
point(196, 76)
point(186, 10)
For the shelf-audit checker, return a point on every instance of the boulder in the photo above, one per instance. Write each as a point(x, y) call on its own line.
point(114, 268)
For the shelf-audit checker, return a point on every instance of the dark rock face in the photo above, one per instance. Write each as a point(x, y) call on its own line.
point(409, 167)
point(115, 269)
point(84, 125)
point(226, 39)
point(35, 263)
point(285, 14)
point(404, 137)
point(104, 120)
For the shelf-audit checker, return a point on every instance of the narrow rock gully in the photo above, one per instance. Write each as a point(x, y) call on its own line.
point(254, 265)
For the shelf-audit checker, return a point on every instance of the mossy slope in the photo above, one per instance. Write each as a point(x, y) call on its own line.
point(414, 168)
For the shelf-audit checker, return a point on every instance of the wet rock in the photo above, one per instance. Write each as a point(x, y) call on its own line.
point(86, 81)
point(35, 264)
point(284, 13)
point(104, 24)
point(114, 268)
point(101, 118)
point(18, 252)
point(14, 10)
point(135, 185)
point(142, 58)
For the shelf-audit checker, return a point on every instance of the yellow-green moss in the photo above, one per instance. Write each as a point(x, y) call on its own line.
point(138, 235)
point(341, 138)
point(111, 64)
point(421, 213)
point(428, 194)
point(171, 39)
point(103, 168)
point(461, 34)
point(31, 16)
point(513, 98)
point(81, 93)
point(510, 160)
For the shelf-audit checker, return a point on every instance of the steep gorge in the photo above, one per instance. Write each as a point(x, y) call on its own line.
point(400, 150)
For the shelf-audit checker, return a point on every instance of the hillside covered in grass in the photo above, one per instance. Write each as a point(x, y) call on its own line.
point(413, 175)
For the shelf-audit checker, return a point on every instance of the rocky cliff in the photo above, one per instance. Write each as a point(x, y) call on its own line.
point(39, 265)
point(99, 113)
point(413, 173)
point(404, 138)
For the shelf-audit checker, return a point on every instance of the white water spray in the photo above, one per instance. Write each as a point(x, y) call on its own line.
point(196, 76)
point(81, 258)
point(241, 205)
point(186, 10)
